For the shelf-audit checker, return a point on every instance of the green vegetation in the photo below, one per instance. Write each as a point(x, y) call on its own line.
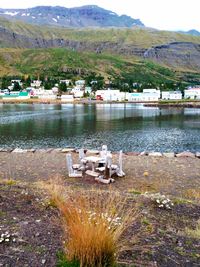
point(53, 64)
point(194, 233)
point(139, 37)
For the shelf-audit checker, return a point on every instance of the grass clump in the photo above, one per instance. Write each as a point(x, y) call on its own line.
point(93, 223)
point(194, 233)
point(8, 182)
point(192, 193)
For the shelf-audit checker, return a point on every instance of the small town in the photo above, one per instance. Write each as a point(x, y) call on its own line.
point(79, 90)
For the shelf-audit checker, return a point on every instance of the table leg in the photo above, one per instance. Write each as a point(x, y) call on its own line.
point(93, 166)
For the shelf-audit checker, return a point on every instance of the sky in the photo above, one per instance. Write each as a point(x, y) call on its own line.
point(159, 14)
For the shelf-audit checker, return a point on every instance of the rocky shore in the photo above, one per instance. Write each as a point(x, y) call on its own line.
point(184, 154)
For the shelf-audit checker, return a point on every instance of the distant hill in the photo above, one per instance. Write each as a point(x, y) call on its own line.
point(77, 17)
point(136, 53)
point(191, 32)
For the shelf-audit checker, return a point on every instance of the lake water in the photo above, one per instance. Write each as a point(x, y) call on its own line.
point(131, 127)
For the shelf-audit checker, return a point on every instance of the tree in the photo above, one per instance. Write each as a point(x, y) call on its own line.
point(16, 86)
point(5, 82)
point(62, 87)
point(26, 82)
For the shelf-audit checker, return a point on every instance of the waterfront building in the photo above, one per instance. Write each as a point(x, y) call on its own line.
point(171, 95)
point(77, 91)
point(67, 98)
point(110, 95)
point(17, 96)
point(36, 83)
point(192, 93)
point(43, 94)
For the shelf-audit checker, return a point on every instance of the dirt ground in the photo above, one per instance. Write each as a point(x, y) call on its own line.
point(174, 176)
point(34, 226)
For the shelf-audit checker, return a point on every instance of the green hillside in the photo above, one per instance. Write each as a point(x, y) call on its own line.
point(120, 58)
point(64, 63)
point(141, 37)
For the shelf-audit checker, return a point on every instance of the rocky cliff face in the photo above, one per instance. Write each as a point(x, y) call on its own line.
point(86, 16)
point(20, 41)
point(176, 54)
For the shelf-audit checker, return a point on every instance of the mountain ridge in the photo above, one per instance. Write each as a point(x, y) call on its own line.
point(76, 17)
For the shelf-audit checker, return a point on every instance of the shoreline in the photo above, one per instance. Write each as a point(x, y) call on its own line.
point(170, 104)
point(183, 154)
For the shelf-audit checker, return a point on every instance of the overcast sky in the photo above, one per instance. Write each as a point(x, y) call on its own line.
point(160, 14)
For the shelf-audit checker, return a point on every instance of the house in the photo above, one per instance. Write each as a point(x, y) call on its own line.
point(55, 90)
point(36, 83)
point(88, 90)
point(80, 83)
point(135, 97)
point(145, 96)
point(192, 93)
point(67, 82)
point(43, 94)
point(16, 81)
point(17, 95)
point(67, 98)
point(77, 92)
point(171, 95)
point(110, 95)
point(150, 95)
point(24, 95)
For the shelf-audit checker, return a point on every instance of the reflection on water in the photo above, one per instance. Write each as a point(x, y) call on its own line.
point(131, 127)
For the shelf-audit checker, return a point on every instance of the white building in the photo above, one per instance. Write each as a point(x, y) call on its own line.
point(67, 82)
point(80, 83)
point(137, 97)
point(171, 95)
point(78, 92)
point(110, 95)
point(67, 98)
point(192, 93)
point(16, 81)
point(43, 94)
point(36, 83)
point(55, 90)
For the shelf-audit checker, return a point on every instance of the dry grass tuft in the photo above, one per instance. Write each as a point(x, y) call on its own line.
point(8, 182)
point(193, 193)
point(194, 233)
point(93, 222)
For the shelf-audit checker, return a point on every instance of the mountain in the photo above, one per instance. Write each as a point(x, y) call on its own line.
point(137, 53)
point(191, 32)
point(194, 32)
point(78, 17)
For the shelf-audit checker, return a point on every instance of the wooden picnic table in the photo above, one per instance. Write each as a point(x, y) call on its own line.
point(93, 160)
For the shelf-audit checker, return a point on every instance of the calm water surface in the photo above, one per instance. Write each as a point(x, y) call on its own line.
point(131, 127)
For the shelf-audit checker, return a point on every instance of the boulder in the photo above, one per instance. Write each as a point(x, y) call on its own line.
point(197, 155)
point(19, 150)
point(144, 153)
point(68, 150)
point(56, 150)
point(32, 150)
point(169, 154)
point(6, 149)
point(185, 154)
point(155, 154)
